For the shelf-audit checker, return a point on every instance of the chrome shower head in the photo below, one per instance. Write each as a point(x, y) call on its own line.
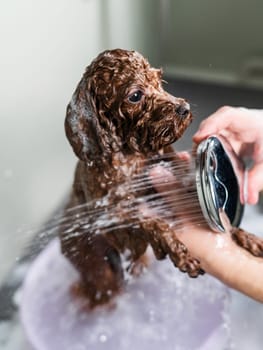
point(219, 175)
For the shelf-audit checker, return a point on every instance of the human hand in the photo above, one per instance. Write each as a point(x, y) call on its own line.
point(218, 254)
point(244, 130)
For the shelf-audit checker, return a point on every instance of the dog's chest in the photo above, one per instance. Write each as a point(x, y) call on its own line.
point(100, 179)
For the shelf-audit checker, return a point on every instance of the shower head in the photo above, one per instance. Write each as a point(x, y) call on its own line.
point(219, 176)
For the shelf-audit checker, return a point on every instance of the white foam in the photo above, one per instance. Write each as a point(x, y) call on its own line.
point(163, 308)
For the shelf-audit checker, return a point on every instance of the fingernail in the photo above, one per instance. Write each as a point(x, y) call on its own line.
point(196, 136)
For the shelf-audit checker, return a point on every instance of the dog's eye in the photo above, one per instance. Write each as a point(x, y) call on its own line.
point(135, 96)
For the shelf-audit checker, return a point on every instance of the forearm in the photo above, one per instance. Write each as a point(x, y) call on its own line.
point(222, 258)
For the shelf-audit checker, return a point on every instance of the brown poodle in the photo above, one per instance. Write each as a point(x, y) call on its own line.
point(119, 119)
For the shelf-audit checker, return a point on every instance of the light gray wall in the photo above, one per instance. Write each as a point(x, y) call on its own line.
point(133, 25)
point(45, 46)
point(220, 41)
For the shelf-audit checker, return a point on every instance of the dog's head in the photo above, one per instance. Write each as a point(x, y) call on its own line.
point(120, 106)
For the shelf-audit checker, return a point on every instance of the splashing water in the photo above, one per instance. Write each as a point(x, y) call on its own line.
point(162, 308)
point(177, 204)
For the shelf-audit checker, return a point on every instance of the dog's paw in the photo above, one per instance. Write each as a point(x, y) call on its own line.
point(181, 257)
point(191, 266)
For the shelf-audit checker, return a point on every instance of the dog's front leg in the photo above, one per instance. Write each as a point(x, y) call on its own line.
point(248, 241)
point(164, 241)
point(95, 257)
point(98, 263)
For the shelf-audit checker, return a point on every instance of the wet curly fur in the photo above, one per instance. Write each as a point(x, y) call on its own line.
point(119, 117)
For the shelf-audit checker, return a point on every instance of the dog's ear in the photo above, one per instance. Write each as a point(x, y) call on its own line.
point(84, 131)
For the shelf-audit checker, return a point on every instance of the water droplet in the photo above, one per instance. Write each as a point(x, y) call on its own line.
point(103, 338)
point(109, 292)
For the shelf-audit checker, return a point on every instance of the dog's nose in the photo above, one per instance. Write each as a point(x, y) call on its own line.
point(182, 109)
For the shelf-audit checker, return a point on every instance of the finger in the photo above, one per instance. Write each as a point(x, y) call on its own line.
point(215, 123)
point(236, 118)
point(258, 151)
point(255, 183)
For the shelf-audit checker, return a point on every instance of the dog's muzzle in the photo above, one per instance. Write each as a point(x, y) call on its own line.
point(183, 110)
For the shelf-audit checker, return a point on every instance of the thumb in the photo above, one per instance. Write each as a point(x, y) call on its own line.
point(255, 183)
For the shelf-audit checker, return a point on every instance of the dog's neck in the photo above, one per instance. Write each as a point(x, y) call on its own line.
point(131, 160)
point(119, 160)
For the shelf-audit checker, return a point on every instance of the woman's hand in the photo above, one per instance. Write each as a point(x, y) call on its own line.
point(244, 130)
point(219, 255)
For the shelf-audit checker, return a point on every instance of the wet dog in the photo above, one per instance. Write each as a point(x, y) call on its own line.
point(120, 117)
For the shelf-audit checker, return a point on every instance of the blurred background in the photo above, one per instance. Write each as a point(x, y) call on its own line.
point(211, 53)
